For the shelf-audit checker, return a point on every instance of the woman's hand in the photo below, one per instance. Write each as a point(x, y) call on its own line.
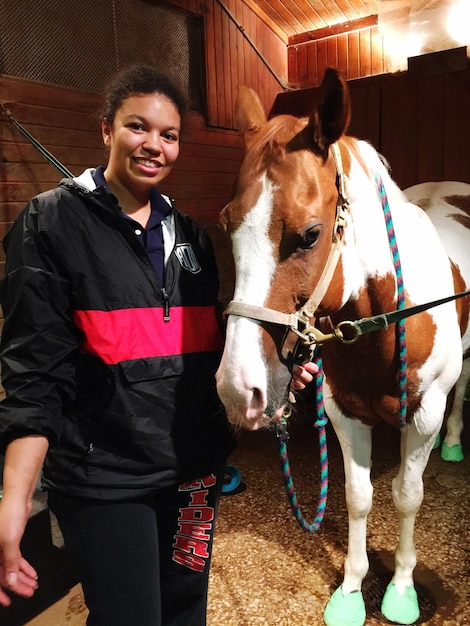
point(24, 458)
point(302, 375)
point(16, 574)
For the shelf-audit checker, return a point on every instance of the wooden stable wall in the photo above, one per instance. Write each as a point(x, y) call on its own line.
point(420, 123)
point(231, 60)
point(357, 53)
point(66, 122)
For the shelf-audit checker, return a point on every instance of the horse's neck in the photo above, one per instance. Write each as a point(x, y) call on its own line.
point(368, 254)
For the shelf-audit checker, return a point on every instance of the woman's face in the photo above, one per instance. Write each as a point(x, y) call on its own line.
point(143, 142)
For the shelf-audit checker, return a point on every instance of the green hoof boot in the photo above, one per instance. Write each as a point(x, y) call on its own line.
point(401, 609)
point(437, 442)
point(342, 610)
point(452, 453)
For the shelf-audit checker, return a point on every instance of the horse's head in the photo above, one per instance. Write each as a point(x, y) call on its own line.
point(281, 222)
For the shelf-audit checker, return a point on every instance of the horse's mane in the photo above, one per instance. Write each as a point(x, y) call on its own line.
point(281, 129)
point(373, 163)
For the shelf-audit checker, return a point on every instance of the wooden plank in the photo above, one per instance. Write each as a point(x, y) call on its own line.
point(57, 116)
point(52, 136)
point(278, 14)
point(314, 77)
point(456, 127)
point(211, 53)
point(208, 190)
point(366, 112)
point(266, 14)
point(225, 119)
point(235, 37)
point(365, 53)
point(377, 52)
point(333, 31)
point(298, 103)
point(303, 14)
point(241, 74)
point(14, 90)
point(342, 49)
point(22, 191)
point(332, 52)
point(9, 211)
point(399, 122)
point(322, 63)
point(19, 152)
point(429, 136)
point(293, 66)
point(249, 55)
point(29, 172)
point(303, 69)
point(219, 63)
point(353, 69)
point(214, 166)
point(193, 178)
point(439, 62)
point(211, 137)
point(254, 59)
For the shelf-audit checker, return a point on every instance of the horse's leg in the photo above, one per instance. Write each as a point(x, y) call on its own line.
point(400, 602)
point(346, 606)
point(452, 447)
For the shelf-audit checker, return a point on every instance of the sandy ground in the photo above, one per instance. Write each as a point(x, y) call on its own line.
point(267, 572)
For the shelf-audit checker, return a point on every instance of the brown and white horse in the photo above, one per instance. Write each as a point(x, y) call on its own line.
point(293, 236)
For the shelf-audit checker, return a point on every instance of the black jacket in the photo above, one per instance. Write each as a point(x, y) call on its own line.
point(114, 369)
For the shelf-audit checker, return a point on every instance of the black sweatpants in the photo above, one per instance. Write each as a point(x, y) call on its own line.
point(143, 562)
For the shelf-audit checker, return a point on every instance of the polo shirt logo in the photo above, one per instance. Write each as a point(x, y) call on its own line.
point(185, 255)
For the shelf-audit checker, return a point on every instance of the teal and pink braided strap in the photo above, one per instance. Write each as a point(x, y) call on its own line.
point(403, 365)
point(320, 424)
point(322, 418)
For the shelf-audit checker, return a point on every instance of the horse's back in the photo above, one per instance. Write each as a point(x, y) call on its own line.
point(447, 204)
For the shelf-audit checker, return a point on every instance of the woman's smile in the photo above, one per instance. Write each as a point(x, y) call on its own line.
point(143, 144)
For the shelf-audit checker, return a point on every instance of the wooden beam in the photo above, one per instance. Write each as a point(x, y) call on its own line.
point(331, 31)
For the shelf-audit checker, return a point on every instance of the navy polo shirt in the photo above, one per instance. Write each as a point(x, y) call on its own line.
point(151, 237)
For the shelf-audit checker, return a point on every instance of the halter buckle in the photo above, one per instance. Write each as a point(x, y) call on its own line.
point(281, 430)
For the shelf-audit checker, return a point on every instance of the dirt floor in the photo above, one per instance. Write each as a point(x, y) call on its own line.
point(267, 572)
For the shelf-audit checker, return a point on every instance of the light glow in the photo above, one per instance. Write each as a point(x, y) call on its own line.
point(410, 28)
point(458, 22)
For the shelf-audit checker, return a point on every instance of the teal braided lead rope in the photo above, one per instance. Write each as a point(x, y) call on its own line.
point(320, 424)
point(403, 366)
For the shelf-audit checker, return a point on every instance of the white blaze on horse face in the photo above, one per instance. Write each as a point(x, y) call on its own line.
point(242, 375)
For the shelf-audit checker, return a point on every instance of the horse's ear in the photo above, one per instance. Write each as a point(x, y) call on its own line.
point(249, 113)
point(330, 118)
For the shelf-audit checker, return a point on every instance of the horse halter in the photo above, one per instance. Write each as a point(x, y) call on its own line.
point(299, 322)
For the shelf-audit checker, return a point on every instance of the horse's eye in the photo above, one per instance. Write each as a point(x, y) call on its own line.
point(309, 238)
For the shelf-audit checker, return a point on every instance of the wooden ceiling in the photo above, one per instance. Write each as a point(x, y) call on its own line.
point(289, 18)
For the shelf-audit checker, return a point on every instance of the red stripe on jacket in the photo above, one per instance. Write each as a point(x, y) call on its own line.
point(126, 334)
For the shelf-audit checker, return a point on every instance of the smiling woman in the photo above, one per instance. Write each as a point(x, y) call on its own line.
point(109, 350)
point(143, 141)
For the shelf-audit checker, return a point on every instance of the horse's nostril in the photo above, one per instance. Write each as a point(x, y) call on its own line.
point(257, 398)
point(257, 403)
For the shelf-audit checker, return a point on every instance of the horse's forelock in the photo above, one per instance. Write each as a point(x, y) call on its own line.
point(277, 133)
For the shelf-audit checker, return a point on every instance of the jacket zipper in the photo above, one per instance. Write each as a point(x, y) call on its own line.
point(166, 305)
point(126, 231)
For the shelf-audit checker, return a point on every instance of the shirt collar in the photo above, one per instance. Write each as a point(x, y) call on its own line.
point(159, 207)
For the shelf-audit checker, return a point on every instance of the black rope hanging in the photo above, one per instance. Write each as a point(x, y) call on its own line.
point(45, 153)
point(242, 30)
